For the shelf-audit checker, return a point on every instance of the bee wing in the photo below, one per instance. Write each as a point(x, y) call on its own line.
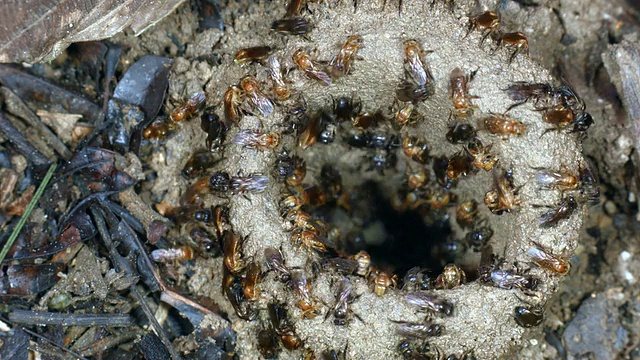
point(263, 104)
point(546, 177)
point(321, 75)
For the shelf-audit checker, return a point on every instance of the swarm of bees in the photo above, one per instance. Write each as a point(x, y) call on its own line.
point(386, 138)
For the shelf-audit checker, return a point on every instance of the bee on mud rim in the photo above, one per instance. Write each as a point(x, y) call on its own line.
point(419, 84)
point(252, 54)
point(459, 93)
point(161, 128)
point(255, 140)
point(253, 183)
point(488, 22)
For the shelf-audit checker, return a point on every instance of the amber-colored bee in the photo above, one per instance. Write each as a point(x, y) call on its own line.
point(293, 8)
point(296, 199)
point(161, 128)
point(502, 125)
point(252, 54)
point(199, 163)
point(193, 195)
point(482, 158)
point(367, 120)
point(283, 327)
point(258, 99)
point(382, 280)
point(220, 219)
point(250, 281)
point(503, 198)
point(417, 179)
point(558, 180)
point(311, 240)
point(298, 173)
point(415, 149)
point(489, 22)
point(563, 210)
point(439, 199)
point(306, 303)
point(548, 261)
point(459, 92)
point(404, 115)
point(466, 213)
point(235, 294)
point(364, 261)
point(292, 26)
point(341, 64)
point(232, 102)
point(304, 221)
point(311, 69)
point(231, 247)
point(459, 165)
point(420, 84)
point(452, 276)
point(311, 132)
point(281, 90)
point(516, 40)
point(181, 253)
point(255, 140)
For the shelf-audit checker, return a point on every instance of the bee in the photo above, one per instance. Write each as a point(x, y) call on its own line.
point(548, 261)
point(283, 327)
point(367, 120)
point(458, 165)
point(452, 276)
point(316, 195)
point(340, 265)
point(194, 192)
point(420, 84)
point(564, 210)
point(254, 140)
point(346, 108)
point(220, 181)
point(302, 220)
point(267, 341)
point(161, 128)
point(250, 281)
point(258, 99)
point(381, 281)
point(275, 262)
point(220, 219)
point(373, 140)
point(417, 179)
point(418, 330)
point(416, 279)
point(293, 8)
point(482, 158)
point(539, 93)
point(291, 26)
point(589, 185)
point(404, 115)
point(466, 213)
point(231, 248)
point(489, 22)
point(232, 102)
point(479, 237)
point(253, 183)
point(252, 54)
point(281, 90)
point(298, 173)
point(181, 253)
point(343, 299)
point(557, 180)
point(198, 163)
point(516, 40)
point(303, 60)
point(427, 302)
point(507, 279)
point(311, 240)
point(306, 303)
point(364, 261)
point(440, 165)
point(502, 125)
point(528, 317)
point(459, 93)
point(296, 199)
point(235, 294)
point(341, 64)
point(415, 149)
point(312, 131)
point(216, 130)
point(503, 198)
point(205, 242)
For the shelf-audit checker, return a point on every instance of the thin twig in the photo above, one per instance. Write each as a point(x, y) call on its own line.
point(50, 318)
point(56, 344)
point(27, 212)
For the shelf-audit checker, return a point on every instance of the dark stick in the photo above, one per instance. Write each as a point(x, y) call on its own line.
point(21, 143)
point(56, 344)
point(49, 318)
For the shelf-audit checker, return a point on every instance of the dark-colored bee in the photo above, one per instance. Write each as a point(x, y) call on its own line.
point(440, 165)
point(341, 64)
point(517, 41)
point(460, 133)
point(253, 183)
point(452, 276)
point(232, 250)
point(479, 237)
point(346, 108)
point(199, 163)
point(589, 185)
point(528, 317)
point(215, 128)
point(340, 265)
point(341, 307)
point(564, 210)
point(303, 60)
point(459, 93)
point(418, 330)
point(489, 22)
point(541, 94)
point(252, 54)
point(416, 278)
point(419, 84)
point(206, 243)
point(427, 302)
point(235, 294)
point(268, 346)
point(373, 140)
point(275, 262)
point(382, 159)
point(507, 279)
point(548, 261)
point(291, 26)
point(283, 327)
